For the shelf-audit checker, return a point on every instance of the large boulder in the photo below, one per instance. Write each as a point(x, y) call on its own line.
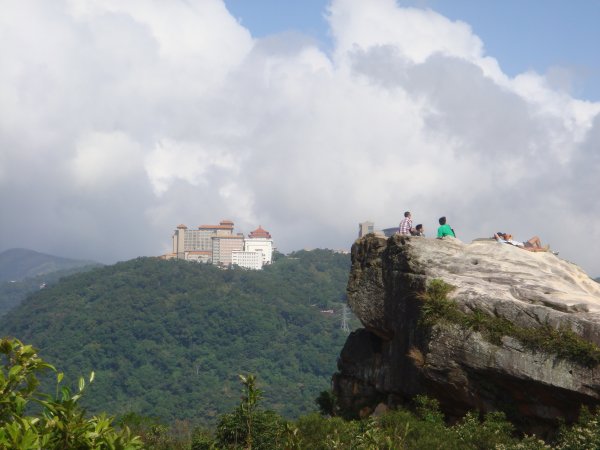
point(397, 356)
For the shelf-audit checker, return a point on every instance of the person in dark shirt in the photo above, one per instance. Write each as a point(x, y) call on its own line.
point(419, 230)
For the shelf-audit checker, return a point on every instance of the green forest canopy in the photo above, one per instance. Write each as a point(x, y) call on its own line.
point(168, 338)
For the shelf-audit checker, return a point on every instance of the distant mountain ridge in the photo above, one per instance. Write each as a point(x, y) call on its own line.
point(20, 263)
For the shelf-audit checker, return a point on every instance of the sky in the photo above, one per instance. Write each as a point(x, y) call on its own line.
point(121, 119)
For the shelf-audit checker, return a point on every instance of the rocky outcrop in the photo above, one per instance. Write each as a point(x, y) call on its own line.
point(396, 356)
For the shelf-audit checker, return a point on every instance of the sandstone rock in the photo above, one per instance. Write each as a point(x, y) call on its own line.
point(395, 357)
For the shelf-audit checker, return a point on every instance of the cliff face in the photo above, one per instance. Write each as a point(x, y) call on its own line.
point(397, 355)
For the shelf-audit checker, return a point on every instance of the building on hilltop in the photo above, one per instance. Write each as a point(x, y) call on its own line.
point(365, 228)
point(248, 260)
point(260, 241)
point(199, 240)
point(217, 244)
point(223, 245)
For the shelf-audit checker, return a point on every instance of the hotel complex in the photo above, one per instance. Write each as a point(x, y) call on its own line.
point(217, 244)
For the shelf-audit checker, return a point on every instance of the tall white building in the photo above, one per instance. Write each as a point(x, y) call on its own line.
point(260, 241)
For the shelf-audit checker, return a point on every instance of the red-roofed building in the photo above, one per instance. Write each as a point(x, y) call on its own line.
point(260, 241)
point(259, 233)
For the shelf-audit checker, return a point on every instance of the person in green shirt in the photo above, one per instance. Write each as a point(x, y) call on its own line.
point(444, 229)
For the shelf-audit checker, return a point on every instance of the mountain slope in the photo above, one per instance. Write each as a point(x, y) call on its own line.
point(14, 292)
point(19, 263)
point(168, 338)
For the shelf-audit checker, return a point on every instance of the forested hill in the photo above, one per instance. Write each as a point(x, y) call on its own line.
point(14, 292)
point(168, 338)
point(19, 263)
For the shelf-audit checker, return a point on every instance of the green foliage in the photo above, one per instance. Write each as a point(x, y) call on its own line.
point(61, 424)
point(156, 435)
point(321, 433)
point(327, 403)
point(12, 293)
point(402, 429)
point(562, 342)
point(494, 431)
point(436, 304)
point(165, 337)
point(248, 426)
point(428, 409)
point(203, 439)
point(583, 435)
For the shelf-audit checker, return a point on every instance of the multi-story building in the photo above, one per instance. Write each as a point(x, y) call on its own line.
point(218, 245)
point(223, 245)
point(260, 241)
point(199, 240)
point(365, 228)
point(249, 260)
point(179, 242)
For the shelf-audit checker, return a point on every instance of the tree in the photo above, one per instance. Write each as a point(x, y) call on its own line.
point(248, 426)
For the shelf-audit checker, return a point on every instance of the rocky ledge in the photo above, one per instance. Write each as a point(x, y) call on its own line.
point(518, 333)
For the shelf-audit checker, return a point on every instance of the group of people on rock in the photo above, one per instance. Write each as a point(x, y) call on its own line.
point(406, 227)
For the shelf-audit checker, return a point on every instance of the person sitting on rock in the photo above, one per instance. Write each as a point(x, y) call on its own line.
point(532, 245)
point(419, 231)
point(406, 228)
point(444, 229)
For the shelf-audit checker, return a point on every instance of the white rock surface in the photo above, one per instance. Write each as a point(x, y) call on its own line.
point(394, 358)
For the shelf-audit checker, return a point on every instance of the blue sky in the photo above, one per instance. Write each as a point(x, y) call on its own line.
point(555, 37)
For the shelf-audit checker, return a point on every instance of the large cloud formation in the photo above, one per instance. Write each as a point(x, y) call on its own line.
point(121, 119)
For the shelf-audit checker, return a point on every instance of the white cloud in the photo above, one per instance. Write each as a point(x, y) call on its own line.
point(103, 160)
point(170, 112)
point(416, 33)
point(191, 162)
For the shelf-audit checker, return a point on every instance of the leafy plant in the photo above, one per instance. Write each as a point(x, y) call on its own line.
point(250, 427)
point(327, 403)
point(583, 435)
point(436, 305)
point(61, 423)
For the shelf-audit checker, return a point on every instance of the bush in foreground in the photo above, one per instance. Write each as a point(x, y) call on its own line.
point(61, 423)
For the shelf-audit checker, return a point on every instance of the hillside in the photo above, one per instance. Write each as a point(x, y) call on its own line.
point(19, 263)
point(168, 338)
point(14, 292)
